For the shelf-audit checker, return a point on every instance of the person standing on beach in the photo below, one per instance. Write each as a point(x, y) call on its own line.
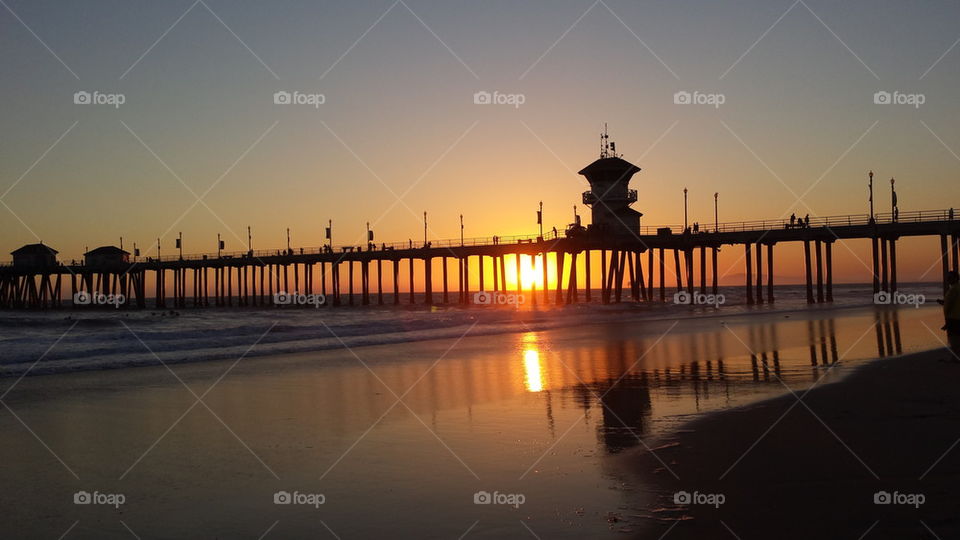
point(951, 314)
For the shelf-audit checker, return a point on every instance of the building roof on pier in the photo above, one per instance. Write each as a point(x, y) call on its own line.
point(610, 167)
point(33, 249)
point(107, 250)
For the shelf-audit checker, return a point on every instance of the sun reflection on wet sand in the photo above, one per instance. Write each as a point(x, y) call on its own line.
point(533, 370)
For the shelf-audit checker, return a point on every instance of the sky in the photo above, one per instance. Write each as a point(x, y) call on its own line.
point(199, 146)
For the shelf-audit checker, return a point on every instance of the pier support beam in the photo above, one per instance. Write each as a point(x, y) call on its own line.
point(819, 271)
point(446, 295)
point(829, 248)
point(809, 275)
point(893, 265)
point(876, 265)
point(586, 269)
point(759, 273)
point(884, 283)
point(663, 278)
point(748, 258)
point(428, 279)
point(770, 272)
point(944, 261)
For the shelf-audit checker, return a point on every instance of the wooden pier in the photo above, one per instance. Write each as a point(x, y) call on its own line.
point(631, 268)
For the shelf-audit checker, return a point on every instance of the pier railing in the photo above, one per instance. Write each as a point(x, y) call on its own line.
point(915, 216)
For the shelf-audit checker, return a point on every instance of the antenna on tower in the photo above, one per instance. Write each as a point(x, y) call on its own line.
point(607, 149)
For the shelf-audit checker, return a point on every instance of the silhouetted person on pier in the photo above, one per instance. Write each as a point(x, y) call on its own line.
point(793, 220)
point(950, 214)
point(807, 221)
point(951, 315)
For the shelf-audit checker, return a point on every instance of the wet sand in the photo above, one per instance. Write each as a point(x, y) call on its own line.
point(889, 426)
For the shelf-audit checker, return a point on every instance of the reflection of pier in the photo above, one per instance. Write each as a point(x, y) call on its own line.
point(624, 391)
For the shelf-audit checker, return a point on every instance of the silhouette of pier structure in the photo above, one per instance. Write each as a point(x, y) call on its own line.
point(633, 261)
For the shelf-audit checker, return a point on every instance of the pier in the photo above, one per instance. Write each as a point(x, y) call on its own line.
point(631, 268)
point(633, 261)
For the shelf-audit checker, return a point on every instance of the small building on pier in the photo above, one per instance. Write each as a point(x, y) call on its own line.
point(106, 256)
point(610, 195)
point(35, 256)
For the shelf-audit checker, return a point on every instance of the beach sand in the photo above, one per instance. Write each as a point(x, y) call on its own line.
point(810, 469)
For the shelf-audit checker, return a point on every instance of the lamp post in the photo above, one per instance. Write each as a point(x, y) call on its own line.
point(424, 229)
point(461, 229)
point(540, 219)
point(716, 213)
point(870, 188)
point(330, 234)
point(180, 244)
point(893, 201)
point(219, 245)
point(249, 241)
point(685, 210)
point(288, 241)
